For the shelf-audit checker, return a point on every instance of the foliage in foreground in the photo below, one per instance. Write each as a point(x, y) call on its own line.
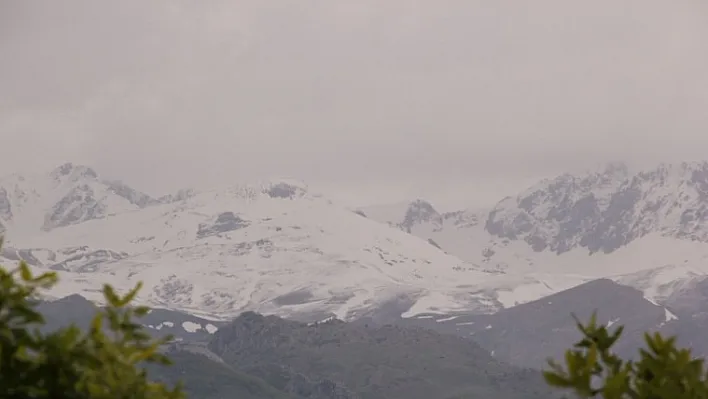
point(662, 371)
point(104, 362)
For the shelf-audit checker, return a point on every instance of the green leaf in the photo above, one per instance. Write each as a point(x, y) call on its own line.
point(556, 380)
point(25, 272)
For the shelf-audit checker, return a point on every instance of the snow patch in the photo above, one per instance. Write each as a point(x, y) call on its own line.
point(652, 301)
point(668, 316)
point(191, 327)
point(446, 319)
point(314, 323)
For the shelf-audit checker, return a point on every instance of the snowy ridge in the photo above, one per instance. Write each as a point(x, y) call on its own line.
point(419, 214)
point(277, 247)
point(69, 194)
point(271, 247)
point(643, 229)
point(604, 211)
point(658, 284)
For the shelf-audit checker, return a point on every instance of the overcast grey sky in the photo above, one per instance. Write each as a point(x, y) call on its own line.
point(376, 100)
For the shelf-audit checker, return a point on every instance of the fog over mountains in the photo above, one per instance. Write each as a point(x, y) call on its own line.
point(445, 196)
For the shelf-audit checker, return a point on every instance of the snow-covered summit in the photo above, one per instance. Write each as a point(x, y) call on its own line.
point(67, 195)
point(645, 229)
point(598, 211)
point(606, 210)
point(410, 216)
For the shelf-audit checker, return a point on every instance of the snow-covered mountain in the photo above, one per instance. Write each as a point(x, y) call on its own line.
point(273, 247)
point(457, 230)
point(645, 229)
point(68, 195)
point(278, 247)
point(605, 211)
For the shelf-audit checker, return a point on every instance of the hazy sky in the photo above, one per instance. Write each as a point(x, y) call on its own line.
point(370, 100)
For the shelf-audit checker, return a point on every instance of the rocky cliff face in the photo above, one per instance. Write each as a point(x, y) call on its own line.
point(604, 211)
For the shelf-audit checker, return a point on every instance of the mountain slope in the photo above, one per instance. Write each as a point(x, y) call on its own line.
point(204, 378)
point(77, 310)
point(204, 375)
point(529, 333)
point(255, 356)
point(272, 247)
point(375, 362)
point(644, 229)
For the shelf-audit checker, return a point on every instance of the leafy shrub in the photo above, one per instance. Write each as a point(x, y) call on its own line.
point(104, 362)
point(662, 371)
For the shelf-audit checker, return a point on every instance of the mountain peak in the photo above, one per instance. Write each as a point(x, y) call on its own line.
point(605, 210)
point(284, 188)
point(68, 194)
point(616, 168)
point(421, 203)
point(420, 211)
point(73, 172)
